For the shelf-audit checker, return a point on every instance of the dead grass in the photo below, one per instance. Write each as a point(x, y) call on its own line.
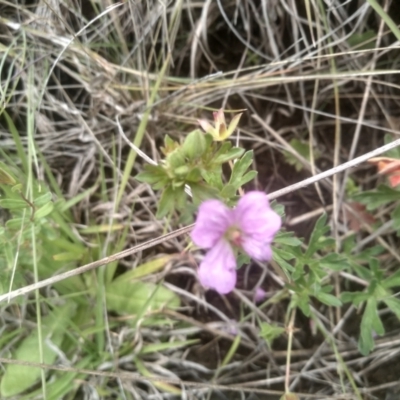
point(300, 72)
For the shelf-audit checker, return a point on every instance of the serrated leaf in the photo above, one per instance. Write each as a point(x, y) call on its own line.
point(202, 192)
point(394, 304)
point(213, 177)
point(370, 323)
point(240, 168)
point(383, 194)
point(228, 155)
point(270, 332)
point(249, 176)
point(392, 281)
point(319, 231)
point(303, 302)
point(151, 174)
point(354, 297)
point(328, 299)
point(302, 148)
point(287, 239)
point(334, 262)
point(228, 191)
point(279, 256)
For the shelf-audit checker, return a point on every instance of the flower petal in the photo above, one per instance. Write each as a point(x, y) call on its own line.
point(255, 218)
point(213, 219)
point(218, 268)
point(259, 295)
point(260, 250)
point(258, 224)
point(208, 128)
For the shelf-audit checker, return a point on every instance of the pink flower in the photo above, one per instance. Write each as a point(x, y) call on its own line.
point(250, 227)
point(259, 295)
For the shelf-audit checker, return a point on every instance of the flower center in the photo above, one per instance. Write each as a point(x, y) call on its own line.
point(234, 236)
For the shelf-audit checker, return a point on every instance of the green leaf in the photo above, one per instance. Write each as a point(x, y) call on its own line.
point(43, 199)
point(44, 211)
point(392, 153)
point(240, 168)
point(228, 191)
point(303, 302)
point(392, 280)
point(278, 208)
point(394, 305)
point(334, 262)
point(194, 176)
point(315, 243)
point(302, 148)
point(152, 174)
point(354, 297)
point(226, 153)
point(370, 323)
point(16, 223)
point(383, 194)
point(18, 378)
point(144, 269)
point(328, 299)
point(362, 41)
point(249, 176)
point(280, 256)
point(287, 239)
point(137, 298)
point(270, 332)
point(203, 192)
point(14, 204)
point(194, 145)
point(167, 202)
point(176, 158)
point(396, 219)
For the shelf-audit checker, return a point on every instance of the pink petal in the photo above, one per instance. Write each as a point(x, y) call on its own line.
point(258, 249)
point(213, 219)
point(218, 268)
point(258, 224)
point(205, 125)
point(259, 295)
point(255, 217)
